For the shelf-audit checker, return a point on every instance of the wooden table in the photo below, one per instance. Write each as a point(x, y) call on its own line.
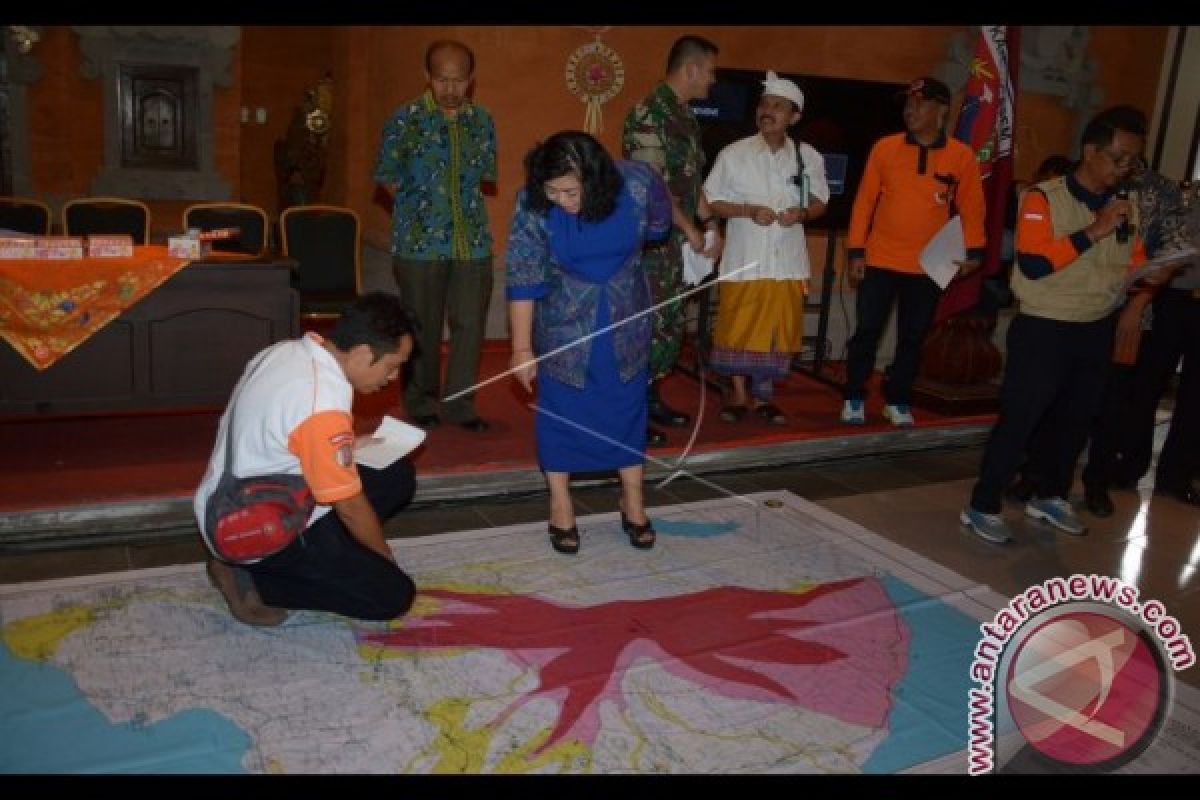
point(183, 346)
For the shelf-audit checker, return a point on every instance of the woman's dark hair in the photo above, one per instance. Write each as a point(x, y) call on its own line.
point(573, 152)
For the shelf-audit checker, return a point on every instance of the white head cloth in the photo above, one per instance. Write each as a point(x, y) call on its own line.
point(781, 87)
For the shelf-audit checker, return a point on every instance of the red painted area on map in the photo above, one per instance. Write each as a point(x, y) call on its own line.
point(838, 648)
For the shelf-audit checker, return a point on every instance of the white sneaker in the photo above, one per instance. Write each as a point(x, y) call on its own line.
point(853, 413)
point(989, 527)
point(899, 415)
point(1057, 512)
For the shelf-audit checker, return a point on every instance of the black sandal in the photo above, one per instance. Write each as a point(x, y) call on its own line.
point(771, 413)
point(637, 533)
point(732, 413)
point(564, 540)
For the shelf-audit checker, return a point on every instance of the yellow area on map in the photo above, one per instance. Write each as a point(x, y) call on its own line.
point(36, 638)
point(463, 750)
point(423, 606)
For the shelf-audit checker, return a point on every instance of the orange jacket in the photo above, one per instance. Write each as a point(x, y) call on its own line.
point(1039, 253)
point(905, 196)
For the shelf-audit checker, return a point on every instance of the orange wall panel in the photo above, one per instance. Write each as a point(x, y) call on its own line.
point(66, 122)
point(521, 79)
point(278, 65)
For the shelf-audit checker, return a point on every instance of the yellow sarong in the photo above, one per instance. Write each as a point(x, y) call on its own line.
point(760, 316)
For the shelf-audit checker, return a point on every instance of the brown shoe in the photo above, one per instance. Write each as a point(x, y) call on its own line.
point(245, 604)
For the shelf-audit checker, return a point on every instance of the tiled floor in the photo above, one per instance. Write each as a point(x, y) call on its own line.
point(1151, 542)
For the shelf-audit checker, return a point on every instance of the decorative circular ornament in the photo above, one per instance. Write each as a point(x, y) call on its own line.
point(595, 75)
point(317, 121)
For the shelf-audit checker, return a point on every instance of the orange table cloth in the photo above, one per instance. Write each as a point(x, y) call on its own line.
point(48, 308)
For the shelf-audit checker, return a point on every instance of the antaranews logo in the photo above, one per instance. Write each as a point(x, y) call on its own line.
point(1077, 668)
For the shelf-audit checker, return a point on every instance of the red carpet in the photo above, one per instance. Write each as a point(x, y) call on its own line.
point(75, 461)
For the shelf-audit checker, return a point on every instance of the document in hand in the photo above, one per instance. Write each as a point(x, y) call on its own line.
point(398, 440)
point(695, 266)
point(1161, 262)
point(947, 247)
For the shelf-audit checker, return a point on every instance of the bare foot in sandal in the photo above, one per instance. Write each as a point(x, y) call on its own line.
point(733, 413)
point(771, 413)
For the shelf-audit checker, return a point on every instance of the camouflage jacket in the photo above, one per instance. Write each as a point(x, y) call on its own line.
point(664, 133)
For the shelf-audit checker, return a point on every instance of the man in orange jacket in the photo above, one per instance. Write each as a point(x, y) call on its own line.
point(913, 183)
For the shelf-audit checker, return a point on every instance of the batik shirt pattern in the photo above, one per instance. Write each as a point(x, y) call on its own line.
point(437, 164)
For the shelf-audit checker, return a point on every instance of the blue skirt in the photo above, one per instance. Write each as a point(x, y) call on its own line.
point(606, 427)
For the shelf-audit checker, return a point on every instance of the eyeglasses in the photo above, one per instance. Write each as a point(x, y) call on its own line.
point(1124, 160)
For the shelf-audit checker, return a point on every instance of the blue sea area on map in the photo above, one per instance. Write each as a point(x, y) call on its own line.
point(693, 530)
point(50, 727)
point(929, 711)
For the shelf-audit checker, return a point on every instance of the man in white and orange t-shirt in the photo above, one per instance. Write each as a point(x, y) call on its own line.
point(293, 416)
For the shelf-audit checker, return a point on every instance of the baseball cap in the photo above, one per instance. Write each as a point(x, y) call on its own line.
point(930, 88)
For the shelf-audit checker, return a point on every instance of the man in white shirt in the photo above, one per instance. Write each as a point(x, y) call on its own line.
point(767, 186)
point(293, 416)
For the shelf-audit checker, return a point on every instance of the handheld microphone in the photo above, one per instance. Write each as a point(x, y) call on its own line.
point(1123, 228)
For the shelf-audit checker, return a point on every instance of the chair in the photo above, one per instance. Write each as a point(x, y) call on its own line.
point(250, 220)
point(326, 242)
point(25, 215)
point(101, 215)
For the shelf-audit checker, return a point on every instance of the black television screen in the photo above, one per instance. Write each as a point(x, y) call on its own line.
point(842, 119)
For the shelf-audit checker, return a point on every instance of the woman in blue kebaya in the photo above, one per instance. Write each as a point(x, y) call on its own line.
point(574, 269)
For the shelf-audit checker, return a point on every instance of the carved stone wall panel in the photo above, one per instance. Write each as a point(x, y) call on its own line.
point(107, 50)
point(22, 70)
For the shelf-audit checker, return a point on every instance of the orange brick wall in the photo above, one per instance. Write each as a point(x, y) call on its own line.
point(279, 64)
point(520, 78)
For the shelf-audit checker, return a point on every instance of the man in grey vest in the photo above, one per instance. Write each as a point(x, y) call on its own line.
point(1076, 241)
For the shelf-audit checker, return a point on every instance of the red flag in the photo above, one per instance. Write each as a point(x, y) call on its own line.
point(986, 123)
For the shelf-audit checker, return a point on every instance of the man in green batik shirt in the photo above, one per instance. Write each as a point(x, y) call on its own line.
point(662, 131)
point(436, 152)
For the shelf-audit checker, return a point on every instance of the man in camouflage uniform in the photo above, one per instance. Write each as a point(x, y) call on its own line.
point(662, 132)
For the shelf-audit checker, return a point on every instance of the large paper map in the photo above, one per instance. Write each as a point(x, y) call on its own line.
point(753, 638)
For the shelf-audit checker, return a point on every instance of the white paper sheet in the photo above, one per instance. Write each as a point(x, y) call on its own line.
point(944, 249)
point(399, 439)
point(1166, 261)
point(695, 266)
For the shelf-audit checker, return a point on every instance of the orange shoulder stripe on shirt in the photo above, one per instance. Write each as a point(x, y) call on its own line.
point(324, 443)
point(1035, 233)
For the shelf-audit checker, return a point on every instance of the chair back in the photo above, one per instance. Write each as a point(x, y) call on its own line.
point(251, 222)
point(88, 215)
point(326, 242)
point(25, 215)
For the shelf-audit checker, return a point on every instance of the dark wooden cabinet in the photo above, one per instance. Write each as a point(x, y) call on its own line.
point(181, 347)
point(158, 116)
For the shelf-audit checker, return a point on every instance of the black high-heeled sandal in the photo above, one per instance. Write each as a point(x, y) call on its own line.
point(637, 533)
point(564, 540)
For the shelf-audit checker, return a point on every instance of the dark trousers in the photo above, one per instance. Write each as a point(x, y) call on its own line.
point(663, 265)
point(326, 569)
point(918, 296)
point(1054, 377)
point(1175, 334)
point(1108, 427)
point(456, 293)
